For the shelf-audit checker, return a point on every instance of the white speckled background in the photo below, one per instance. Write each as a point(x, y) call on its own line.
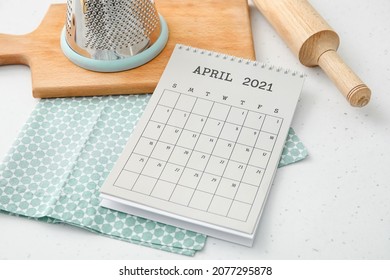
point(333, 205)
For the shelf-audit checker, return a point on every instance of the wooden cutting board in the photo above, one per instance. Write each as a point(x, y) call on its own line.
point(222, 26)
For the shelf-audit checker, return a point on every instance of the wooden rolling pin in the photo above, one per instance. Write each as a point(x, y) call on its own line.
point(315, 43)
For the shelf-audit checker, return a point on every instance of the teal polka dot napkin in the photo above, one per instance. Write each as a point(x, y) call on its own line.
point(62, 156)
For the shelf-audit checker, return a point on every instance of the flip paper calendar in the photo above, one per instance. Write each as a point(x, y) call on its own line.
point(204, 154)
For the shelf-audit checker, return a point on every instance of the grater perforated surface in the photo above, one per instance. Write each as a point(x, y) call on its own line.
point(125, 27)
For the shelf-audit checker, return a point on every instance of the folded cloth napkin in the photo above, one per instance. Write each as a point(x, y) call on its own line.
point(62, 156)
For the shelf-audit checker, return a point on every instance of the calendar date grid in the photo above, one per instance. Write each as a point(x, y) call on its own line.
point(221, 190)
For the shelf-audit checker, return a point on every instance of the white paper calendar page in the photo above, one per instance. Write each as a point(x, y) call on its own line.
point(204, 153)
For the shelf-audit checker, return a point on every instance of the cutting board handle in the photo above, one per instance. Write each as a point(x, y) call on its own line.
point(14, 49)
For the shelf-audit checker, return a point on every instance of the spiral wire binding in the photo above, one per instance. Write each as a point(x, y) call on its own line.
point(243, 60)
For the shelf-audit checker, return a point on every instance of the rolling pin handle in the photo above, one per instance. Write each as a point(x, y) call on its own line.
point(314, 42)
point(349, 84)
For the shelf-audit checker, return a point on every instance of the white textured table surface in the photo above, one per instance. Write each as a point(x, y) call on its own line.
point(333, 205)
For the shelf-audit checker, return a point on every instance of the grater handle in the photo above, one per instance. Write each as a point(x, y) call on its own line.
point(14, 49)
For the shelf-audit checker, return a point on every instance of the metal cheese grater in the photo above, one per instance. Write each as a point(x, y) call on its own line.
point(111, 29)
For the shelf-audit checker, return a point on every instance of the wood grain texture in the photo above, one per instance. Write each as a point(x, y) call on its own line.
point(314, 42)
point(208, 24)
